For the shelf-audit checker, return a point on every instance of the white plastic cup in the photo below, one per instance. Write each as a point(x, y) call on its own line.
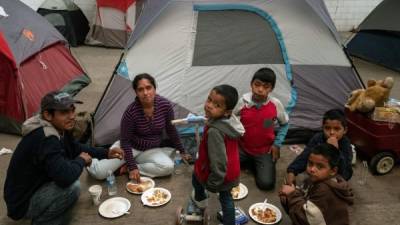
point(363, 174)
point(95, 193)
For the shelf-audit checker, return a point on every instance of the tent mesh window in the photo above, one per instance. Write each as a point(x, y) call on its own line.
point(234, 37)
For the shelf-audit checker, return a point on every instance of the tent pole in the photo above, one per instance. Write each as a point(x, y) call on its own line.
point(101, 99)
point(109, 82)
point(352, 66)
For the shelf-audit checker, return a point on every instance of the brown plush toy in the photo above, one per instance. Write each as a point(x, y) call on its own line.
point(376, 94)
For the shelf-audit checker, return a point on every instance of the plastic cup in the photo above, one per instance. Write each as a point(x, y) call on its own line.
point(95, 193)
point(364, 173)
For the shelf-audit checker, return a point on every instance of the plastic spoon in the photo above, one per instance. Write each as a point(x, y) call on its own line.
point(115, 211)
point(265, 204)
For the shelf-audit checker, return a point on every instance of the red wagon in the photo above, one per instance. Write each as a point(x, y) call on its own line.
point(378, 141)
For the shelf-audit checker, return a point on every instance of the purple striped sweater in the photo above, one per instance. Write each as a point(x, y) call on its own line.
point(140, 133)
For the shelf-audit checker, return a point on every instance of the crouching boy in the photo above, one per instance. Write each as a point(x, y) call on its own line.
point(325, 195)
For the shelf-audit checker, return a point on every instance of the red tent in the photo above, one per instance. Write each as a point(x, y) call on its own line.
point(34, 59)
point(114, 22)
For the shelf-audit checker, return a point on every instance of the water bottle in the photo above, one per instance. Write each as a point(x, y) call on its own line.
point(178, 158)
point(354, 160)
point(111, 183)
point(177, 162)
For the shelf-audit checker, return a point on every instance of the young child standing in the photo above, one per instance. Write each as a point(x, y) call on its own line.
point(334, 126)
point(325, 196)
point(217, 168)
point(259, 113)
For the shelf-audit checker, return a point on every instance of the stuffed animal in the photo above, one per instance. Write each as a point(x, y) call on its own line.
point(376, 94)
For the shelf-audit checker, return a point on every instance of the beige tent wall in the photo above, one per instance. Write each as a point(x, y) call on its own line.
point(348, 14)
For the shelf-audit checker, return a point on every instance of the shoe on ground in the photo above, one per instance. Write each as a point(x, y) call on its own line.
point(200, 204)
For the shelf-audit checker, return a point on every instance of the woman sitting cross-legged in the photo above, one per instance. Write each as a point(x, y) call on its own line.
point(142, 127)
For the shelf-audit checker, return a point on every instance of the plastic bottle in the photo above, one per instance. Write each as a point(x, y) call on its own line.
point(177, 162)
point(111, 183)
point(354, 160)
point(178, 158)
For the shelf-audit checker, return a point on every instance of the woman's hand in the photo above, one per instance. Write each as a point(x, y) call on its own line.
point(134, 175)
point(116, 153)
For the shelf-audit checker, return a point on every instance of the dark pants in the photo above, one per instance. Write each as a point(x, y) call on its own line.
point(52, 205)
point(264, 169)
point(225, 198)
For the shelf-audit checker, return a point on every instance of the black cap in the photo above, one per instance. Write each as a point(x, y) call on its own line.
point(57, 100)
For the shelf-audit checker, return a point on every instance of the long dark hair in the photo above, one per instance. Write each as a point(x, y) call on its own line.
point(141, 76)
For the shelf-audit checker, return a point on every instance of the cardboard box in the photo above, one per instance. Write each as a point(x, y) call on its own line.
point(386, 114)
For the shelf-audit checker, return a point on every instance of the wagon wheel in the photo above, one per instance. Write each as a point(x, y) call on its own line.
point(206, 217)
point(179, 216)
point(382, 163)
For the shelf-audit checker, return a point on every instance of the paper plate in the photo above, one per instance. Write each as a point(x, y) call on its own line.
point(142, 179)
point(243, 191)
point(262, 205)
point(155, 197)
point(114, 207)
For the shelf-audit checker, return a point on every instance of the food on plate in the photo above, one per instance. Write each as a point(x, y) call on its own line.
point(235, 192)
point(139, 188)
point(264, 215)
point(158, 197)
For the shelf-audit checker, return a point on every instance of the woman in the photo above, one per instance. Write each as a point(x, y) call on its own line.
point(142, 127)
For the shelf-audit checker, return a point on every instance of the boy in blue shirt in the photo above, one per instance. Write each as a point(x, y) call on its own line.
point(334, 127)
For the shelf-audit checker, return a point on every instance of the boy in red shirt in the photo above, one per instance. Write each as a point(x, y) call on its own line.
point(217, 168)
point(259, 113)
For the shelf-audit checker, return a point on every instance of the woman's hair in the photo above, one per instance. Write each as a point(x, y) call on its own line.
point(328, 151)
point(335, 114)
point(229, 93)
point(141, 76)
point(265, 75)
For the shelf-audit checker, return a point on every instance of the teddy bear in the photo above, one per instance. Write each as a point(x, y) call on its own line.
point(375, 95)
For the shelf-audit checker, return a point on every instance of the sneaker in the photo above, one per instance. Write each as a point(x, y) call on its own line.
point(200, 204)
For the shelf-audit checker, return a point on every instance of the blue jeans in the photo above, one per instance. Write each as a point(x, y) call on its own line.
point(225, 198)
point(51, 204)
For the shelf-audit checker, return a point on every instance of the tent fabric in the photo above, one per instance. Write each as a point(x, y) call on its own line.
point(348, 14)
point(88, 8)
point(378, 37)
point(253, 48)
point(384, 17)
point(33, 4)
point(309, 60)
point(5, 50)
point(30, 73)
point(121, 5)
point(320, 9)
point(113, 23)
point(329, 86)
point(151, 10)
point(34, 59)
point(24, 36)
point(155, 7)
point(71, 23)
point(377, 46)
